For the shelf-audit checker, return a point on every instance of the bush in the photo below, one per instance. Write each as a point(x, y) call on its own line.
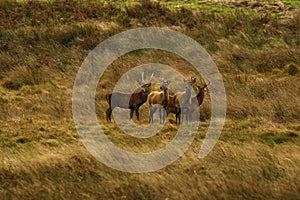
point(292, 69)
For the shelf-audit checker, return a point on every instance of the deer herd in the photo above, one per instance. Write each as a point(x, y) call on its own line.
point(181, 103)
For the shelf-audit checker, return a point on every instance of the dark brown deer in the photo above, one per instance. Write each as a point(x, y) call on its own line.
point(159, 99)
point(128, 101)
point(171, 108)
point(197, 100)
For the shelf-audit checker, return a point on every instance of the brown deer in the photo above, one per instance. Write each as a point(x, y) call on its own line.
point(159, 99)
point(197, 100)
point(183, 99)
point(171, 108)
point(128, 101)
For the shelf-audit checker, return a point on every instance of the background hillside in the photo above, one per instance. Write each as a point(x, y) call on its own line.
point(255, 46)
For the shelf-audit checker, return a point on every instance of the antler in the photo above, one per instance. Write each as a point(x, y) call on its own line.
point(151, 77)
point(143, 77)
point(162, 79)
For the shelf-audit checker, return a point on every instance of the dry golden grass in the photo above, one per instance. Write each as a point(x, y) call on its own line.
point(50, 162)
point(42, 46)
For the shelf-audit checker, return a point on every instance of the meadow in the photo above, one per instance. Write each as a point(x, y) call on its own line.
point(256, 48)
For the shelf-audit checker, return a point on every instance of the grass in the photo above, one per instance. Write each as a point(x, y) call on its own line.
point(218, 5)
point(198, 5)
point(247, 155)
point(291, 2)
point(42, 46)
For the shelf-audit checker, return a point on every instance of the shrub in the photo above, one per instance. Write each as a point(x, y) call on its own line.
point(292, 69)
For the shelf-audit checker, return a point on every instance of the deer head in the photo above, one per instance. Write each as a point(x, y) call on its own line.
point(164, 84)
point(145, 87)
point(188, 84)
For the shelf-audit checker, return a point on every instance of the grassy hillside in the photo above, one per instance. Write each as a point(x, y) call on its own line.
point(42, 45)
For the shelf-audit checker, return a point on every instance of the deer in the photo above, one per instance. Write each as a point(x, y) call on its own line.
point(197, 100)
point(183, 99)
point(129, 101)
point(171, 108)
point(159, 99)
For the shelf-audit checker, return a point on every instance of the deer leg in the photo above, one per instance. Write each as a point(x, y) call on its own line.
point(151, 113)
point(182, 115)
point(159, 112)
point(108, 114)
point(160, 115)
point(131, 113)
point(164, 110)
point(137, 113)
point(187, 115)
point(178, 116)
point(168, 111)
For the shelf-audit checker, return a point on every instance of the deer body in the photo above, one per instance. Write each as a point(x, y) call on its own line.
point(197, 100)
point(172, 108)
point(128, 101)
point(123, 100)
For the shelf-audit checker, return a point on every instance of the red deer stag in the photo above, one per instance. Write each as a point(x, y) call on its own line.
point(159, 99)
point(171, 108)
point(129, 101)
point(183, 99)
point(197, 100)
